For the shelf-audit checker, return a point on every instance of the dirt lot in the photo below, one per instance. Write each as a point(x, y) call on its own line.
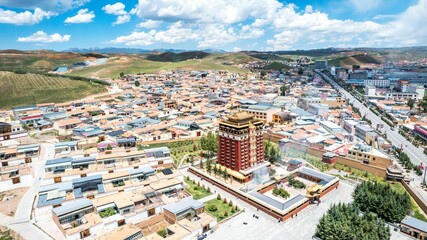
point(9, 200)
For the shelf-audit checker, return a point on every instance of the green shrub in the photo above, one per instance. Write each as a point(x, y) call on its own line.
point(212, 208)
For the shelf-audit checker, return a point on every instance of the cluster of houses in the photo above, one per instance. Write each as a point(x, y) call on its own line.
point(100, 183)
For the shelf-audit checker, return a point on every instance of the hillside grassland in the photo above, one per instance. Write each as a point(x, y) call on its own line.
point(134, 65)
point(358, 59)
point(27, 89)
point(36, 62)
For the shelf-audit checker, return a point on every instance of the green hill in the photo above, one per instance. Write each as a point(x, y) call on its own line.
point(177, 57)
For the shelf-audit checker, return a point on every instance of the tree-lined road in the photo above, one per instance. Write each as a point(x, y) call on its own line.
point(415, 154)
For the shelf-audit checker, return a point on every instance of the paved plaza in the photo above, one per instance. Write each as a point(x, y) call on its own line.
point(301, 227)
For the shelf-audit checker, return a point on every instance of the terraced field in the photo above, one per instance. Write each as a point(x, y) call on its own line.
point(26, 89)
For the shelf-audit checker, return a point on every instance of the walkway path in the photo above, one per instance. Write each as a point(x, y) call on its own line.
point(22, 223)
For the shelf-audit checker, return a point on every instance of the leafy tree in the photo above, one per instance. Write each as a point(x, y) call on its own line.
point(300, 71)
point(345, 222)
point(109, 147)
point(137, 83)
point(423, 104)
point(382, 200)
point(271, 152)
point(411, 103)
point(209, 166)
point(122, 74)
point(209, 142)
point(284, 89)
point(225, 175)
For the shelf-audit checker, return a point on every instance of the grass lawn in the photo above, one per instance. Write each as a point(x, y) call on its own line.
point(221, 208)
point(28, 89)
point(195, 191)
point(179, 149)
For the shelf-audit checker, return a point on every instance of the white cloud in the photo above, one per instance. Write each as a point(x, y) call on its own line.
point(122, 19)
point(83, 16)
point(50, 5)
point(406, 29)
point(43, 37)
point(237, 49)
point(206, 35)
point(217, 23)
point(149, 24)
point(308, 9)
point(24, 18)
point(115, 9)
point(205, 11)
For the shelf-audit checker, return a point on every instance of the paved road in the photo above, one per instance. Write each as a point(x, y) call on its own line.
point(415, 154)
point(22, 222)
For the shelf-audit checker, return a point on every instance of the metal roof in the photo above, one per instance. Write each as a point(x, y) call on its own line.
point(415, 223)
point(159, 149)
point(279, 205)
point(183, 205)
point(84, 160)
point(316, 174)
point(87, 179)
point(58, 161)
point(72, 206)
point(144, 170)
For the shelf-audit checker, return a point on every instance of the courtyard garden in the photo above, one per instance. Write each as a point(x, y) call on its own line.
point(221, 208)
point(196, 189)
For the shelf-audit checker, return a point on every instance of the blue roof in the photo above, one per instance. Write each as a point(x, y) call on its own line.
point(58, 161)
point(247, 101)
point(273, 202)
point(294, 162)
point(183, 205)
point(319, 175)
point(78, 193)
point(63, 186)
point(84, 160)
point(159, 149)
point(87, 179)
point(144, 170)
point(115, 133)
point(72, 206)
point(415, 223)
point(44, 202)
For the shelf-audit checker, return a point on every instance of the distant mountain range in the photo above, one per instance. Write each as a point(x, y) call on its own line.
point(112, 50)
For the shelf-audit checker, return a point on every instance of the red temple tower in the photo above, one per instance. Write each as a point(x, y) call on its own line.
point(241, 144)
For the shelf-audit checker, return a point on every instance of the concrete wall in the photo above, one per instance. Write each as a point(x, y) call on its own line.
point(415, 196)
point(377, 171)
point(244, 198)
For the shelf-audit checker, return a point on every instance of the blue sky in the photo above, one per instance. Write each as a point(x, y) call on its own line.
point(231, 25)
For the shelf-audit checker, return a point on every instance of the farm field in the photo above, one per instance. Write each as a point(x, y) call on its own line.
point(27, 89)
point(134, 65)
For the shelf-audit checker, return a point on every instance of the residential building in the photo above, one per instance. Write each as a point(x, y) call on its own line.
point(368, 155)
